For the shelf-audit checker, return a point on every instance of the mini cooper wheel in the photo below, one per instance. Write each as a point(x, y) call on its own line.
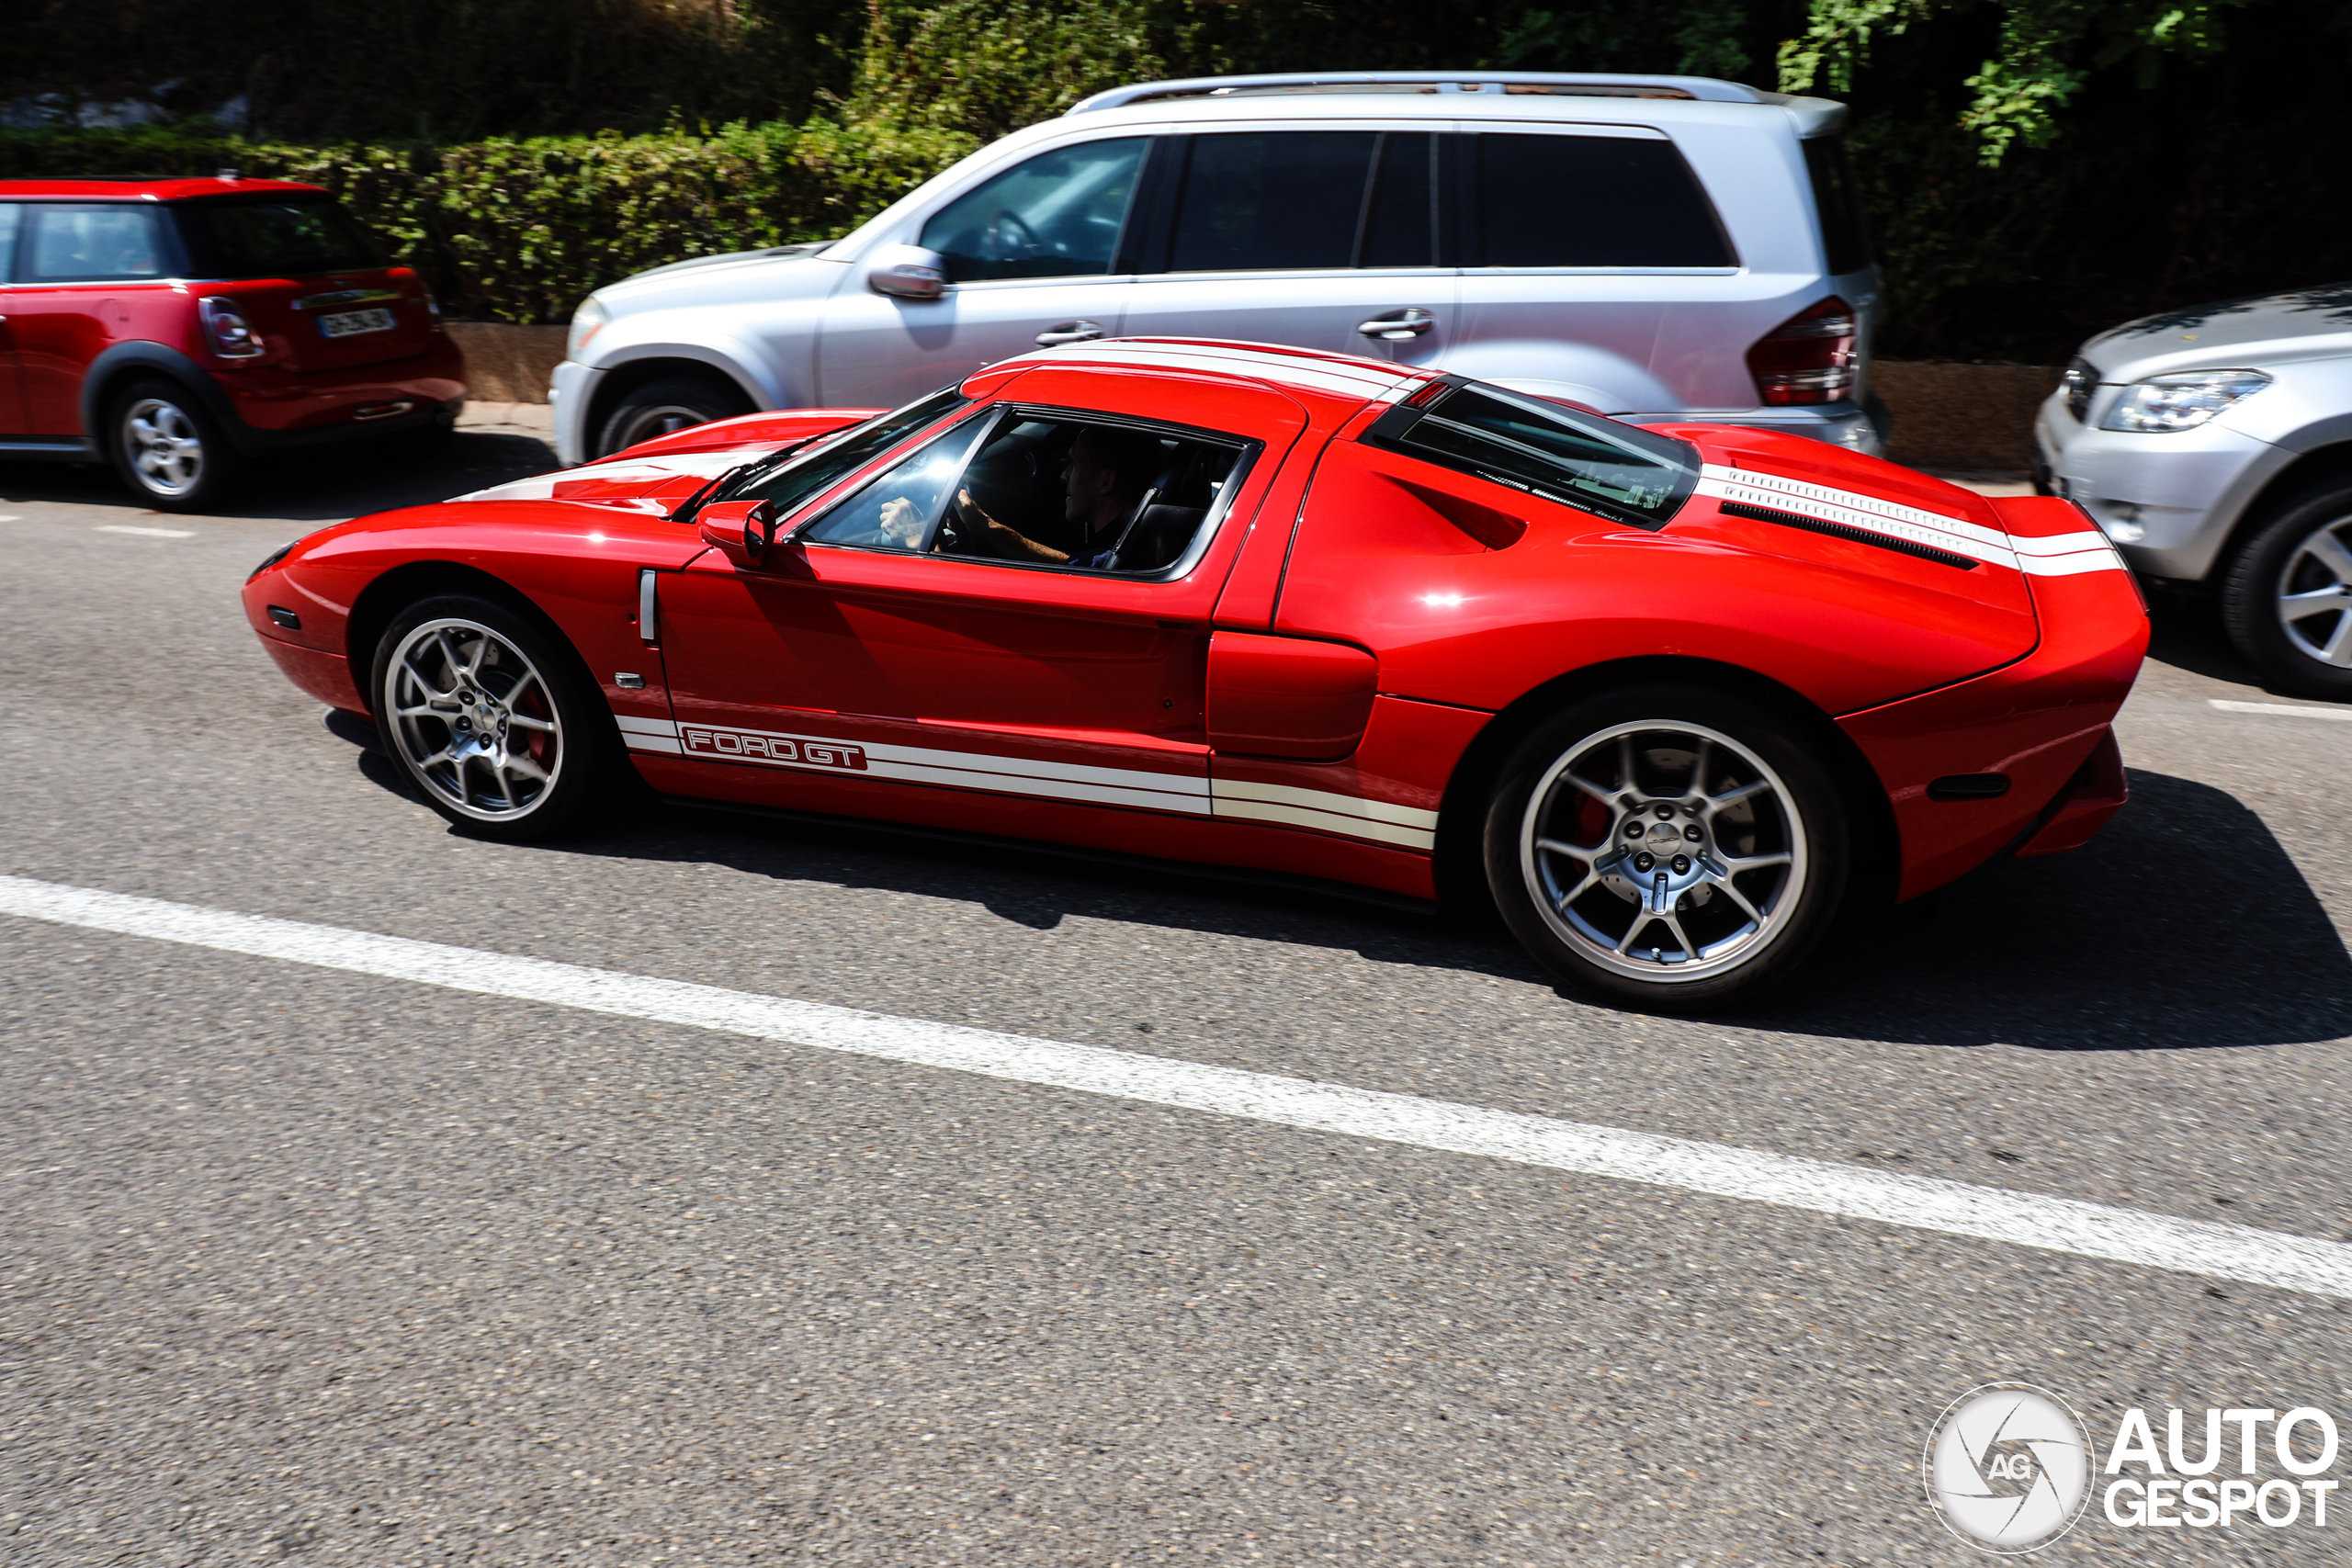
point(485, 715)
point(1668, 846)
point(2288, 598)
point(661, 407)
point(168, 448)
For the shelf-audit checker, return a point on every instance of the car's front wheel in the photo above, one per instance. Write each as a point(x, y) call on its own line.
point(1668, 846)
point(482, 710)
point(670, 404)
point(2288, 597)
point(168, 448)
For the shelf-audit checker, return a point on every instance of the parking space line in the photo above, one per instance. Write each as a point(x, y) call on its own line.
point(144, 533)
point(1953, 1208)
point(2230, 706)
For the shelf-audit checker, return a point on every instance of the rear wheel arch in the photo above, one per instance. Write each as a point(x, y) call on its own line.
point(1459, 854)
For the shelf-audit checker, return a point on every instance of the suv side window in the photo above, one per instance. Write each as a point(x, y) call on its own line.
point(10, 213)
point(1058, 214)
point(1843, 233)
point(101, 243)
point(1290, 200)
point(1591, 201)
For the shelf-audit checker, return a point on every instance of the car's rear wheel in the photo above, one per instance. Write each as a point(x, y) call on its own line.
point(2288, 597)
point(484, 712)
point(670, 404)
point(1668, 846)
point(168, 448)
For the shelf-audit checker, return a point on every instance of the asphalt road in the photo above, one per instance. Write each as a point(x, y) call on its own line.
point(307, 1264)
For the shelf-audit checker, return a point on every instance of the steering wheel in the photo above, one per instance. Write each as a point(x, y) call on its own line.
point(1011, 223)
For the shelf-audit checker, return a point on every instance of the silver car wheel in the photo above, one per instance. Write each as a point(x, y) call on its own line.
point(474, 719)
point(164, 447)
point(2314, 594)
point(1663, 852)
point(652, 420)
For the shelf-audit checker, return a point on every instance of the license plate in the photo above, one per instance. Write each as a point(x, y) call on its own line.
point(349, 324)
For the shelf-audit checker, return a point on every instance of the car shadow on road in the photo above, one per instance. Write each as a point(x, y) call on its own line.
point(321, 486)
point(2185, 924)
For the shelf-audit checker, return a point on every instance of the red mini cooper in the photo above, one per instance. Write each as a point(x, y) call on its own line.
point(180, 328)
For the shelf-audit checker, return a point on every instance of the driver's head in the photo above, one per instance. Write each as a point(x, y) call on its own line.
point(1109, 471)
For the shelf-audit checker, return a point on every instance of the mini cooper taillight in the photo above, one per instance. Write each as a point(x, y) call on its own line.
point(1809, 359)
point(232, 336)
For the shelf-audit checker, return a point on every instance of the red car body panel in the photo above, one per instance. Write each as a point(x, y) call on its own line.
point(1303, 696)
point(301, 386)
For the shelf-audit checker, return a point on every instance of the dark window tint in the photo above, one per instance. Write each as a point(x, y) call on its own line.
point(1592, 202)
point(1056, 216)
point(115, 242)
point(10, 215)
point(1398, 222)
point(1063, 492)
point(275, 239)
point(1842, 229)
point(795, 474)
point(1271, 201)
point(1617, 471)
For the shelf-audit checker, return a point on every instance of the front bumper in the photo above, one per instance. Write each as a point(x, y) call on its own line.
point(570, 392)
point(2168, 502)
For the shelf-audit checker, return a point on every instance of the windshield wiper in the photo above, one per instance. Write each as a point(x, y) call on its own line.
point(716, 490)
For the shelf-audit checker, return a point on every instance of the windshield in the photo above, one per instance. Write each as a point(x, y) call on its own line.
point(1621, 471)
point(801, 470)
point(275, 239)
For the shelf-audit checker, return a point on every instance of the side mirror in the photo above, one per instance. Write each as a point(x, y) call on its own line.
point(741, 530)
point(907, 272)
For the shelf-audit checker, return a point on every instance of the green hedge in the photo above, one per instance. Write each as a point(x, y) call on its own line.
point(518, 231)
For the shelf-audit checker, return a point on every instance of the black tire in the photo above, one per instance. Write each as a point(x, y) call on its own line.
point(472, 698)
point(2305, 550)
point(670, 403)
point(1728, 930)
point(168, 448)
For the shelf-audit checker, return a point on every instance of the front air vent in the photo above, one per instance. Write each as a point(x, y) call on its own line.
point(1845, 531)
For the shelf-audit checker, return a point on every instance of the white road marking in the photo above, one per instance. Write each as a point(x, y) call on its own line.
point(10, 517)
point(2343, 715)
point(2055, 1224)
point(145, 533)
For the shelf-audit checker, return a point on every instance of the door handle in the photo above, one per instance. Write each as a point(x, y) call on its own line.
point(1398, 325)
point(1069, 331)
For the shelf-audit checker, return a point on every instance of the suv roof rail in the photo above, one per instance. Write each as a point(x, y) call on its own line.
point(1594, 84)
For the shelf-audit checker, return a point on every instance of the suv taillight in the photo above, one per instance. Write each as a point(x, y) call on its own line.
point(1809, 359)
point(232, 336)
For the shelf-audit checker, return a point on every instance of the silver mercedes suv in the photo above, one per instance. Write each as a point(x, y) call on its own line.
point(2214, 445)
point(1660, 248)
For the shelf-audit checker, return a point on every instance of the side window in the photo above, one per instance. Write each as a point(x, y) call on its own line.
point(898, 511)
point(1089, 496)
point(1842, 229)
point(1271, 201)
point(1058, 215)
point(10, 213)
point(113, 243)
point(1592, 202)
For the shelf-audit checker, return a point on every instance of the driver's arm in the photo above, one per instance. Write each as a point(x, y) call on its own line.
point(1001, 539)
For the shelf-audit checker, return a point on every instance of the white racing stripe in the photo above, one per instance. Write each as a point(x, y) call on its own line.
point(1952, 1208)
point(2064, 554)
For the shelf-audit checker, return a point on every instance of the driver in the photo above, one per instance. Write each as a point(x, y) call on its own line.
point(1108, 473)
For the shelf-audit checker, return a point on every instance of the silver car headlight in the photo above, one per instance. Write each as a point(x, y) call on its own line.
point(2166, 403)
point(586, 322)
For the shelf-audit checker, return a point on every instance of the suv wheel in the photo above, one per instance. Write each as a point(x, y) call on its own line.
point(2288, 597)
point(672, 403)
point(168, 448)
point(1668, 846)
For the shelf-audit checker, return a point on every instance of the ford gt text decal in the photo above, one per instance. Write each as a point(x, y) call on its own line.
point(1349, 816)
point(2061, 555)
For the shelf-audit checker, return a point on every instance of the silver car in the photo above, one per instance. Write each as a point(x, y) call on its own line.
point(2214, 445)
point(1659, 248)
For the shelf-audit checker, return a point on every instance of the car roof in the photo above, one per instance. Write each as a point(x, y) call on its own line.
point(1307, 372)
point(174, 189)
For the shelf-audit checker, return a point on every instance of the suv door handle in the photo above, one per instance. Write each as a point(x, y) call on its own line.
point(1398, 325)
point(1069, 331)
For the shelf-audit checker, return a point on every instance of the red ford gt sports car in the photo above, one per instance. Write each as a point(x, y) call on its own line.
point(1673, 694)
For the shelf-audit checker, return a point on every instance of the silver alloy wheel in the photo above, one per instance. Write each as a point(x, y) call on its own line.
point(1663, 851)
point(474, 719)
point(657, 420)
point(163, 447)
point(2314, 594)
